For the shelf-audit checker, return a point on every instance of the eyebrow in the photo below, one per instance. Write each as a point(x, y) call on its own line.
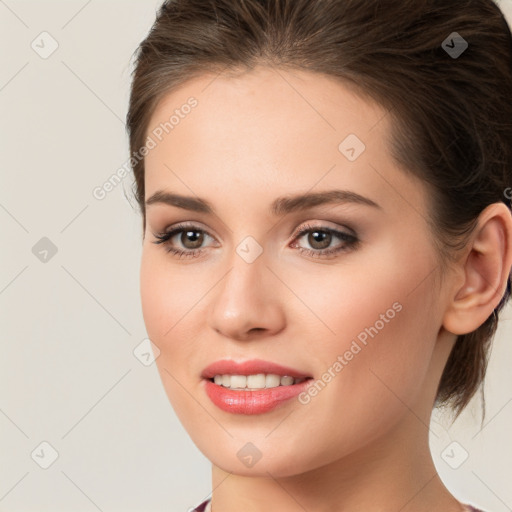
point(280, 206)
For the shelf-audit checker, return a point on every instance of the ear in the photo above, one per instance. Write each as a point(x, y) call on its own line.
point(485, 269)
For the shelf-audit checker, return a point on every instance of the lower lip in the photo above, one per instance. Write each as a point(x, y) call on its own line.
point(252, 402)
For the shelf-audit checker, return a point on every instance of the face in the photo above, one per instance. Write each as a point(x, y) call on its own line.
point(340, 288)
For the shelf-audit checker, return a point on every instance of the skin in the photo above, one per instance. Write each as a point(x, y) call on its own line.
point(361, 444)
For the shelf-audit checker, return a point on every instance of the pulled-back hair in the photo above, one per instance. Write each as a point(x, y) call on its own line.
point(451, 114)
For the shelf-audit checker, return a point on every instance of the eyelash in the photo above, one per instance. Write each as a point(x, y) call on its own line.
point(350, 241)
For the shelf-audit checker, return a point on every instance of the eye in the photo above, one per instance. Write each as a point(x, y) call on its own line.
point(321, 237)
point(191, 237)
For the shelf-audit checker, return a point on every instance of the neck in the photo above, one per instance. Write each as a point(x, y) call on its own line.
point(377, 478)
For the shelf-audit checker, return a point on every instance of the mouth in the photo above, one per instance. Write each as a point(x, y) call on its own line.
point(252, 387)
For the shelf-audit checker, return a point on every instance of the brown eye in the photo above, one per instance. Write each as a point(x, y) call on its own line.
point(319, 239)
point(183, 240)
point(195, 237)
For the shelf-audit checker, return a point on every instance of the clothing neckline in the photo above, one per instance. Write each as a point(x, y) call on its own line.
point(206, 506)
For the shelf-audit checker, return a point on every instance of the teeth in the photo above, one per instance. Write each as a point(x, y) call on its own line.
point(253, 382)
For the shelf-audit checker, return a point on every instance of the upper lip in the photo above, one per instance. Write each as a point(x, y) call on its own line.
point(252, 367)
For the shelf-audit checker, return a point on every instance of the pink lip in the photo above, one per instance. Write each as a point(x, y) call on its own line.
point(252, 367)
point(252, 402)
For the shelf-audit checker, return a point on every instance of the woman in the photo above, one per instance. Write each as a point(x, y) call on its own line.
point(327, 237)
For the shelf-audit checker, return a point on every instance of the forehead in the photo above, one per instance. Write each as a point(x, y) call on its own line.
point(266, 99)
point(284, 130)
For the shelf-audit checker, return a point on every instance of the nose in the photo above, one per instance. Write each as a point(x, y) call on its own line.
point(246, 302)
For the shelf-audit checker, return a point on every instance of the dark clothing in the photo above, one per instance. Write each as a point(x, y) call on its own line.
point(200, 508)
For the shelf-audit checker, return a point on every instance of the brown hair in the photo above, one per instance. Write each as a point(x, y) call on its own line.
point(451, 114)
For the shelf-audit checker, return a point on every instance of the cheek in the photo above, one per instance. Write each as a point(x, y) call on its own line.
point(166, 297)
point(174, 300)
point(155, 302)
point(165, 303)
point(381, 379)
point(375, 364)
point(376, 293)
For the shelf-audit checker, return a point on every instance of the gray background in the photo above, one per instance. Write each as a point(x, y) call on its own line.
point(71, 321)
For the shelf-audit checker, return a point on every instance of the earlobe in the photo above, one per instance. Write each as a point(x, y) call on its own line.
point(486, 268)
